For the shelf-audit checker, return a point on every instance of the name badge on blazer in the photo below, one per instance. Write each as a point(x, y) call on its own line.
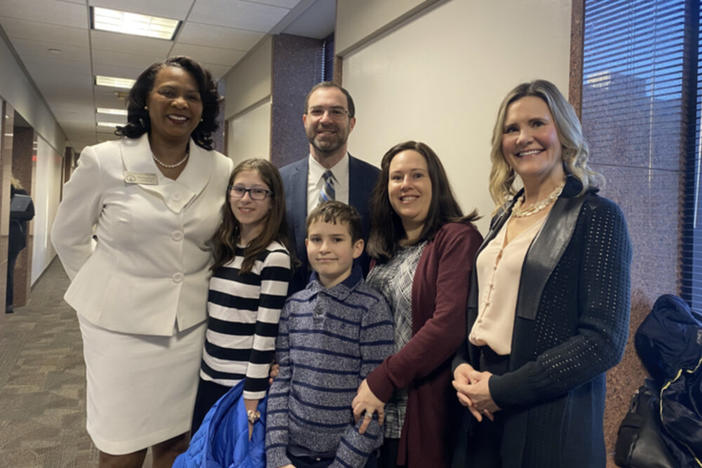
point(143, 178)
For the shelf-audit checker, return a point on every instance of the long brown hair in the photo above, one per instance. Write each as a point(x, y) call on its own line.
point(275, 228)
point(387, 229)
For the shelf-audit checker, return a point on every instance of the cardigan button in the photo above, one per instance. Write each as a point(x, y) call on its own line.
point(177, 277)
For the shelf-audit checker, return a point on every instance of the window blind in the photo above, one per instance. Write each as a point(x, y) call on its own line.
point(636, 105)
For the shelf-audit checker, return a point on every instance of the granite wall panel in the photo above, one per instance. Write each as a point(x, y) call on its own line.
point(297, 63)
point(650, 201)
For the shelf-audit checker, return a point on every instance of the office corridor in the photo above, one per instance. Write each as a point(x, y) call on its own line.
point(42, 389)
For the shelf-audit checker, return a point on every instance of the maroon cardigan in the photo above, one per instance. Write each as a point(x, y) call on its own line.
point(423, 366)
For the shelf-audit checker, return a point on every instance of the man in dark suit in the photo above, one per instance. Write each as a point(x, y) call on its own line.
point(329, 172)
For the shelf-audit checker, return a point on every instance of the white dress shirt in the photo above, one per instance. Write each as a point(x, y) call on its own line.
point(315, 181)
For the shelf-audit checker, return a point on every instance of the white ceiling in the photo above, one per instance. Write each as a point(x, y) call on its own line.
point(62, 54)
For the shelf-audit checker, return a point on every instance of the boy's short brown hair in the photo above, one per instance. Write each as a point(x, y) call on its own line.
point(336, 212)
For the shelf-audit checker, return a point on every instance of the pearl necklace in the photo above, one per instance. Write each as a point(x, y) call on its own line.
point(171, 166)
point(518, 212)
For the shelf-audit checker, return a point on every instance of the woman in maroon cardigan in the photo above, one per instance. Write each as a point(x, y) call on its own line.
point(423, 248)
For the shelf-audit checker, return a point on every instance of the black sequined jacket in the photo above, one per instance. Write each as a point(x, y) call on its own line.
point(571, 326)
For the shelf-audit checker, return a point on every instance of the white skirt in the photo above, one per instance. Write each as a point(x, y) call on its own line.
point(140, 388)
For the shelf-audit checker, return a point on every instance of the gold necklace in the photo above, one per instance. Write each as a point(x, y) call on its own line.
point(518, 212)
point(171, 166)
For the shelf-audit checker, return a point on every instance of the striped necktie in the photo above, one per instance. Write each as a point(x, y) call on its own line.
point(327, 192)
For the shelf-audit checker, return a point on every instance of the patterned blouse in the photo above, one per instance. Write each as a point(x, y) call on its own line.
point(394, 280)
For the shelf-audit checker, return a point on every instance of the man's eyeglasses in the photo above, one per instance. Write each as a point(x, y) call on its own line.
point(336, 113)
point(255, 193)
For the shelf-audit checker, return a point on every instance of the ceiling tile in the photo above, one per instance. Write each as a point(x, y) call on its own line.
point(63, 89)
point(237, 14)
point(76, 126)
point(74, 111)
point(130, 61)
point(39, 51)
point(55, 34)
point(105, 97)
point(46, 11)
point(282, 3)
point(318, 21)
point(217, 71)
point(218, 36)
point(174, 9)
point(103, 40)
point(118, 70)
point(209, 54)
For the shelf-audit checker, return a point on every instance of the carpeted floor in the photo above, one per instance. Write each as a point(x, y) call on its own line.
point(42, 382)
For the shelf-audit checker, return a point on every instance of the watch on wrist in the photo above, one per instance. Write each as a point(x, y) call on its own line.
point(253, 416)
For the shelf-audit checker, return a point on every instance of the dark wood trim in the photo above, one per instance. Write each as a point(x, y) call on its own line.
point(690, 237)
point(577, 35)
point(338, 69)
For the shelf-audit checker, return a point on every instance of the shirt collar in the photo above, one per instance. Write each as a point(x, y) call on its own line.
point(340, 291)
point(340, 169)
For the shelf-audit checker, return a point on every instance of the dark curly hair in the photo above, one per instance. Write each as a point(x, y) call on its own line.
point(138, 121)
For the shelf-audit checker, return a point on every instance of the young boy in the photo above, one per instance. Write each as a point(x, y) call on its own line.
point(331, 335)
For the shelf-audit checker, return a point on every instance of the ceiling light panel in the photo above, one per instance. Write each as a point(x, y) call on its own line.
point(105, 19)
point(114, 82)
point(109, 124)
point(111, 111)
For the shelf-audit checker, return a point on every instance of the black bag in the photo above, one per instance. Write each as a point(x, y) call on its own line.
point(639, 440)
point(21, 207)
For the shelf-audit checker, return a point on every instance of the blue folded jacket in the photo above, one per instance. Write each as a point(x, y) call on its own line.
point(222, 441)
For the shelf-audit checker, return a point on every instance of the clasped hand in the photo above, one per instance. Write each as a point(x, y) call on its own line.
point(366, 403)
point(473, 391)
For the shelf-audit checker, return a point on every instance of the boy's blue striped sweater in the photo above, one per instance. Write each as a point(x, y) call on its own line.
point(328, 341)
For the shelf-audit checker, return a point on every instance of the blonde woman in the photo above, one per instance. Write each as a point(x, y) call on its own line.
point(549, 297)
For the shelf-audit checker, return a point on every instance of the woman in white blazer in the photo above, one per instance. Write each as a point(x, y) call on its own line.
point(153, 200)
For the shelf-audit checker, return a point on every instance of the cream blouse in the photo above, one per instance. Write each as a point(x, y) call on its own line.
point(499, 268)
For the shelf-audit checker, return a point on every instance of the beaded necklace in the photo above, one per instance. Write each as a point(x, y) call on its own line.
point(518, 212)
point(171, 166)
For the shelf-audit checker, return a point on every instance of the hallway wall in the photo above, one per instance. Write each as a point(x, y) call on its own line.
point(20, 92)
point(46, 193)
point(440, 77)
point(17, 89)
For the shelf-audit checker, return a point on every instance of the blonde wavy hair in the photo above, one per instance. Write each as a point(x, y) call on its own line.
point(574, 148)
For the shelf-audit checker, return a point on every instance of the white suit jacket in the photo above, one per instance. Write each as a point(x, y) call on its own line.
point(150, 268)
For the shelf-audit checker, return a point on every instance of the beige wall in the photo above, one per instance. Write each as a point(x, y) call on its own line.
point(249, 81)
point(249, 133)
point(359, 20)
point(440, 77)
point(19, 92)
point(46, 191)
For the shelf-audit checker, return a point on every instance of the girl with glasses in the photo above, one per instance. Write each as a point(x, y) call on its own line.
point(248, 287)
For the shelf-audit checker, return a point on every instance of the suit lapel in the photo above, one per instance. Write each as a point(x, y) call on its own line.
point(176, 194)
point(196, 174)
point(355, 195)
point(299, 200)
point(545, 252)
